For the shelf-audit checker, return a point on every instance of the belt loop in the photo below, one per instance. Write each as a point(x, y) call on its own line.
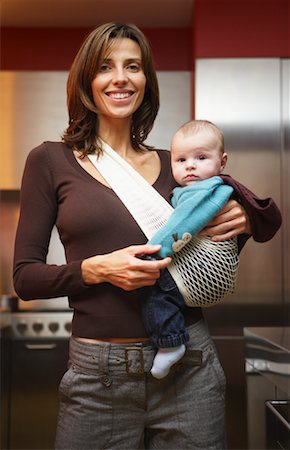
point(104, 358)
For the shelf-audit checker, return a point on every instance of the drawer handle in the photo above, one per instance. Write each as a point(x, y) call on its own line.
point(40, 346)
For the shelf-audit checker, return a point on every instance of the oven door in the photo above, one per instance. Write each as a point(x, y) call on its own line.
point(37, 366)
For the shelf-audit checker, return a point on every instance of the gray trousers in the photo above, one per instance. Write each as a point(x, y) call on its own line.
point(109, 400)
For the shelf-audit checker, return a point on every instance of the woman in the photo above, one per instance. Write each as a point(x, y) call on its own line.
point(108, 397)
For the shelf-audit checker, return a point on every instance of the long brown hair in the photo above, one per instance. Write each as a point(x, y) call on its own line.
point(82, 132)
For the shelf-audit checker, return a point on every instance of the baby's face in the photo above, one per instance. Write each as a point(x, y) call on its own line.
point(195, 157)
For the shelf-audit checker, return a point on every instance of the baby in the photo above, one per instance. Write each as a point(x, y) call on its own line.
point(197, 160)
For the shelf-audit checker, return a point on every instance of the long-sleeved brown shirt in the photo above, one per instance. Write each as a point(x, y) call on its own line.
point(91, 220)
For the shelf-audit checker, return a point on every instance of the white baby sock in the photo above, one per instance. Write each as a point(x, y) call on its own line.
point(165, 358)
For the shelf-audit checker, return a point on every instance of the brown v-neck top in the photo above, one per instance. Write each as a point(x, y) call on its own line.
point(91, 220)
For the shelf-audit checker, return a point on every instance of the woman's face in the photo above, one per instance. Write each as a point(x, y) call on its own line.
point(119, 86)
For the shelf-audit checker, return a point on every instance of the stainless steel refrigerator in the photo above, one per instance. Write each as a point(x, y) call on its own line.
point(248, 99)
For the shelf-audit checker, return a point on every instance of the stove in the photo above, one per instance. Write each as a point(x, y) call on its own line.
point(33, 324)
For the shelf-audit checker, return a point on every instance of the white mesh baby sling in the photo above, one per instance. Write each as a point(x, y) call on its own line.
point(204, 271)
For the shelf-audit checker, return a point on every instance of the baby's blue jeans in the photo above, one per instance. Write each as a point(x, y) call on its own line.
point(162, 311)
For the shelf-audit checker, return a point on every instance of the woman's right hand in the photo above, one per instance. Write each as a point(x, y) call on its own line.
point(123, 268)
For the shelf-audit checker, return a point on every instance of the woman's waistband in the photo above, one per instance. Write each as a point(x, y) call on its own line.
point(135, 358)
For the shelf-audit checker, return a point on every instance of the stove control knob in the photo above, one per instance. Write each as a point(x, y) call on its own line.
point(67, 326)
point(37, 327)
point(53, 326)
point(22, 327)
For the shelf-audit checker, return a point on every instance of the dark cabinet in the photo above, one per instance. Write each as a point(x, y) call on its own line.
point(36, 367)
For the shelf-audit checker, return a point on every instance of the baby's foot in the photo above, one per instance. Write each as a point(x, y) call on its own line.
point(165, 358)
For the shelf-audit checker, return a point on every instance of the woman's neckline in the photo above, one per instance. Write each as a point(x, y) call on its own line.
point(73, 160)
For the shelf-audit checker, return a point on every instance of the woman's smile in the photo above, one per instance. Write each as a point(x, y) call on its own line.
point(120, 98)
point(119, 95)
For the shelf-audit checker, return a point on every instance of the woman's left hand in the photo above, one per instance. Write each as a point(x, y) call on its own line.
point(231, 220)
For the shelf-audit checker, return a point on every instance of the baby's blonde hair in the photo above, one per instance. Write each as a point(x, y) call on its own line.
point(194, 126)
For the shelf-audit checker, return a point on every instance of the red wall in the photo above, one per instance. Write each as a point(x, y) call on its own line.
point(241, 28)
point(54, 48)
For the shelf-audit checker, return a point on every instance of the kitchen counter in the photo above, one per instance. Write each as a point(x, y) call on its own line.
point(276, 336)
point(268, 353)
